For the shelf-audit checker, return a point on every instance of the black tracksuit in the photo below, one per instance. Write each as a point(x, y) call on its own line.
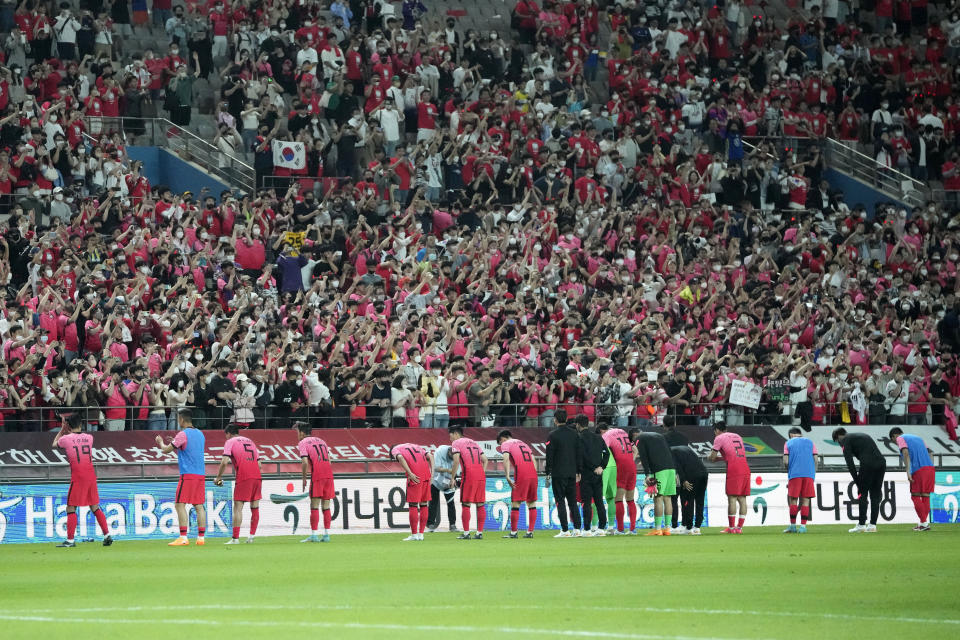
point(869, 479)
point(595, 454)
point(675, 439)
point(690, 469)
point(564, 461)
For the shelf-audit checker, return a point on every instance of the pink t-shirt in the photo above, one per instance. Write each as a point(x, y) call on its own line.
point(244, 454)
point(619, 443)
point(521, 457)
point(470, 461)
point(415, 455)
point(315, 450)
point(78, 447)
point(730, 446)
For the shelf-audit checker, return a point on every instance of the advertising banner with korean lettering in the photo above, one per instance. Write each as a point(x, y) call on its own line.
point(835, 503)
point(139, 510)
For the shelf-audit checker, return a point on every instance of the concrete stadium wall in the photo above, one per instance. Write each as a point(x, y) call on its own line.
point(162, 167)
point(857, 192)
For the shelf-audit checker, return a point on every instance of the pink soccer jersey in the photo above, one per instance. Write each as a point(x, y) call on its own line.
point(619, 444)
point(470, 453)
point(414, 454)
point(521, 457)
point(244, 454)
point(730, 446)
point(316, 451)
point(78, 447)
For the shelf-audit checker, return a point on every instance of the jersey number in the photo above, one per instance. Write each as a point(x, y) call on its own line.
point(413, 453)
point(474, 456)
point(624, 444)
point(85, 449)
point(321, 452)
point(525, 454)
point(249, 449)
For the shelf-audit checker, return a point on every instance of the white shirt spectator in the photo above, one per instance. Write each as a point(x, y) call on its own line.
point(65, 28)
point(317, 392)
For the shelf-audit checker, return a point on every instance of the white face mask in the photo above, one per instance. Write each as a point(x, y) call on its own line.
point(461, 377)
point(435, 373)
point(417, 359)
point(178, 234)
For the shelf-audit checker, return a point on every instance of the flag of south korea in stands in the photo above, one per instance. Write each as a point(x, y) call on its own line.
point(289, 155)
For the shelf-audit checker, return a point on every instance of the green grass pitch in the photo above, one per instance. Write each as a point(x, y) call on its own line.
point(763, 584)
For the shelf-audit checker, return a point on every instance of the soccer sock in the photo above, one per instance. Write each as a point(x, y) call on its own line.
point(740, 522)
point(731, 520)
point(794, 509)
point(481, 517)
point(71, 525)
point(236, 533)
point(101, 521)
point(531, 518)
point(314, 520)
point(201, 531)
point(632, 512)
point(611, 512)
point(424, 517)
point(804, 514)
point(465, 517)
point(183, 532)
point(414, 513)
point(326, 520)
point(918, 506)
point(926, 509)
point(619, 510)
point(514, 519)
point(254, 521)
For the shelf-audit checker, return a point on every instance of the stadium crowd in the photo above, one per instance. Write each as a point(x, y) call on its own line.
point(489, 226)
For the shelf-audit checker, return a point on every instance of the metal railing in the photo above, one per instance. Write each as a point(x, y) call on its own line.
point(844, 157)
point(704, 414)
point(160, 132)
point(359, 467)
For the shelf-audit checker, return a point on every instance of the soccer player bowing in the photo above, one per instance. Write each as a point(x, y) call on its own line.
point(800, 457)
point(315, 457)
point(417, 463)
point(625, 454)
point(246, 488)
point(78, 447)
point(518, 456)
point(869, 479)
point(468, 456)
point(657, 461)
point(189, 444)
point(920, 474)
point(729, 447)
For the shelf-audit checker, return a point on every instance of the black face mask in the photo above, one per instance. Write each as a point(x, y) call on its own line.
point(211, 205)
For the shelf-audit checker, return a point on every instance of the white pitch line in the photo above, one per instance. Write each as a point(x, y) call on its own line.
point(518, 607)
point(568, 633)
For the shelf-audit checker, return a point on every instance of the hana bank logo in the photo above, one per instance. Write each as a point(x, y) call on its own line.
point(946, 497)
point(758, 494)
point(6, 504)
point(291, 514)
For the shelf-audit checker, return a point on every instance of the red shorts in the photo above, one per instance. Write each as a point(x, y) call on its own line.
point(83, 492)
point(322, 488)
point(626, 475)
point(922, 480)
point(801, 488)
point(473, 490)
point(247, 490)
point(524, 489)
point(419, 492)
point(738, 485)
point(190, 489)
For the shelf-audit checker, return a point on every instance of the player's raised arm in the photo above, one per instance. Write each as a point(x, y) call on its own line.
point(164, 447)
point(64, 429)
